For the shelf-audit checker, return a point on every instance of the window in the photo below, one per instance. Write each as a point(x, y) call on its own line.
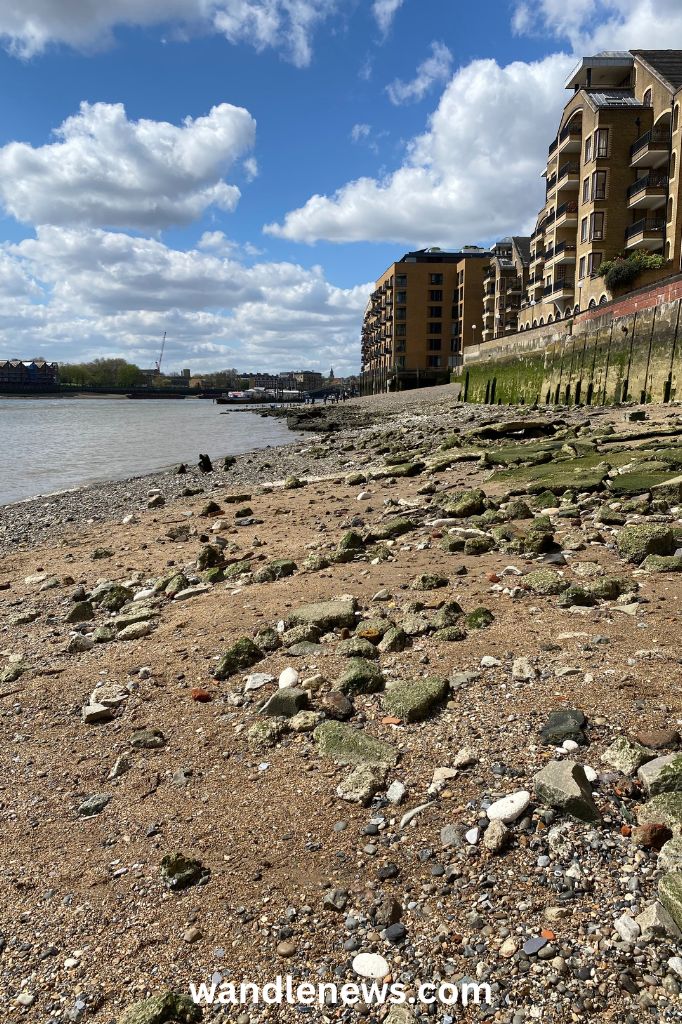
point(453, 313)
point(401, 281)
point(676, 116)
point(596, 226)
point(599, 185)
point(436, 311)
point(586, 190)
point(434, 328)
point(400, 330)
point(581, 271)
point(400, 346)
point(436, 296)
point(601, 142)
point(455, 329)
point(583, 229)
point(436, 278)
point(401, 362)
point(434, 360)
point(594, 262)
point(646, 99)
point(401, 314)
point(588, 149)
point(434, 344)
point(401, 298)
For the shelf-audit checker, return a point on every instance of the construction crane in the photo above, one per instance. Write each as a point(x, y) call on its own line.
point(158, 361)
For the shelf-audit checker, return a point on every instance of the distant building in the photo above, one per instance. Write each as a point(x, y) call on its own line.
point(28, 372)
point(504, 285)
point(308, 379)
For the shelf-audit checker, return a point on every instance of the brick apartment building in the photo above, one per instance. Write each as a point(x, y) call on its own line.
point(28, 372)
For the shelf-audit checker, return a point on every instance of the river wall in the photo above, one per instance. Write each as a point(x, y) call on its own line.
point(627, 350)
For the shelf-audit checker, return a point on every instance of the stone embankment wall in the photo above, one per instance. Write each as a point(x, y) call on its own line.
point(628, 350)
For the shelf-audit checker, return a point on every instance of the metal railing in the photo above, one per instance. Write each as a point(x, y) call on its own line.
point(655, 136)
point(572, 167)
point(645, 225)
point(570, 207)
point(648, 181)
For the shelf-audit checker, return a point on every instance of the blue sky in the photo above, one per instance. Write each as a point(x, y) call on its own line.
point(237, 172)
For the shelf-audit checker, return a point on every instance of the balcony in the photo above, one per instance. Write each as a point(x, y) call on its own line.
point(489, 289)
point(549, 253)
point(563, 288)
point(568, 176)
point(567, 214)
point(551, 182)
point(651, 149)
point(649, 192)
point(570, 139)
point(552, 147)
point(647, 233)
point(549, 219)
point(564, 252)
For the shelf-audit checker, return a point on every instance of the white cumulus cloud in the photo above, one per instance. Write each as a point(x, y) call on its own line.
point(593, 25)
point(106, 170)
point(474, 174)
point(433, 70)
point(29, 27)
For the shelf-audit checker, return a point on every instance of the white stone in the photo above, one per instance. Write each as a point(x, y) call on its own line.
point(443, 774)
point(184, 595)
point(370, 965)
point(590, 773)
point(675, 964)
point(464, 758)
point(256, 680)
point(142, 595)
point(522, 670)
point(472, 836)
point(288, 677)
point(487, 661)
point(410, 815)
point(395, 792)
point(96, 713)
point(656, 922)
point(363, 496)
point(569, 746)
point(627, 928)
point(509, 808)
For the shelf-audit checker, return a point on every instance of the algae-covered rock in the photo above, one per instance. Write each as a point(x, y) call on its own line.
point(326, 615)
point(306, 633)
point(362, 784)
point(168, 1008)
point(663, 563)
point(80, 612)
point(662, 774)
point(241, 655)
point(179, 872)
point(209, 557)
point(266, 733)
point(347, 745)
point(626, 756)
point(429, 581)
point(670, 895)
point(462, 504)
point(391, 529)
point(361, 676)
point(372, 629)
point(453, 543)
point(278, 569)
point(394, 640)
point(115, 598)
point(638, 541)
point(215, 575)
point(450, 634)
point(357, 647)
point(315, 562)
point(449, 615)
point(545, 582)
point(664, 809)
point(479, 618)
point(231, 572)
point(267, 639)
point(351, 541)
point(413, 700)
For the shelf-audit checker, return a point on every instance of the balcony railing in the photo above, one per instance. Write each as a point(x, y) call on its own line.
point(566, 208)
point(570, 131)
point(572, 167)
point(648, 181)
point(565, 247)
point(647, 225)
point(549, 253)
point(655, 136)
point(552, 147)
point(551, 182)
point(550, 218)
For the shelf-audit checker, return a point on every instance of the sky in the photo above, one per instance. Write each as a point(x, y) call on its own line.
point(237, 173)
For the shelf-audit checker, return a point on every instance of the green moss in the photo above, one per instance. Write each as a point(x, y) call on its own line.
point(412, 701)
point(241, 655)
point(349, 746)
point(479, 618)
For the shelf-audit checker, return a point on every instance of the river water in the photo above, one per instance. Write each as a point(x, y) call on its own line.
point(52, 444)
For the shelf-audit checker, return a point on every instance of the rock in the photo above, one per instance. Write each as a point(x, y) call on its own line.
point(94, 713)
point(412, 701)
point(388, 912)
point(522, 670)
point(658, 739)
point(391, 529)
point(347, 745)
point(656, 923)
point(336, 705)
point(652, 836)
point(395, 794)
point(372, 629)
point(429, 581)
point(462, 504)
point(532, 946)
point(80, 612)
point(79, 644)
point(370, 965)
point(256, 680)
point(545, 582)
point(361, 676)
point(361, 785)
point(495, 836)
point(626, 756)
point(670, 857)
point(563, 725)
point(336, 900)
point(670, 895)
point(189, 592)
point(169, 1008)
point(278, 569)
point(509, 808)
point(464, 758)
point(241, 655)
point(357, 647)
point(636, 542)
point(305, 721)
point(156, 501)
point(266, 734)
point(394, 640)
point(451, 836)
point(179, 872)
point(351, 541)
point(395, 933)
point(664, 809)
point(299, 635)
point(285, 703)
point(627, 928)
point(192, 935)
point(287, 677)
point(562, 784)
point(115, 598)
point(662, 563)
point(94, 804)
point(662, 775)
point(326, 615)
point(147, 739)
point(508, 948)
point(480, 618)
point(136, 631)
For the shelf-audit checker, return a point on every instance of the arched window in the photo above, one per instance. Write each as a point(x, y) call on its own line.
point(535, 323)
point(542, 321)
point(550, 319)
point(670, 209)
point(603, 299)
point(592, 305)
point(576, 310)
point(646, 100)
point(676, 116)
point(668, 251)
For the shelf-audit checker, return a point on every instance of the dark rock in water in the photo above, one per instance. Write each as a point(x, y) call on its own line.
point(205, 464)
point(564, 725)
point(179, 872)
